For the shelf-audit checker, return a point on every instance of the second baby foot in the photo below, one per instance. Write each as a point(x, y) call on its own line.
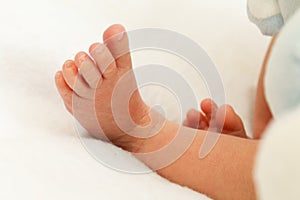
point(224, 118)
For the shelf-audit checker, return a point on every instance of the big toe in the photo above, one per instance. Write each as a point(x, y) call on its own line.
point(116, 39)
point(113, 30)
point(232, 124)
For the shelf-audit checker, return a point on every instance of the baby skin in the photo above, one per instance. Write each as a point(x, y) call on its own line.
point(222, 118)
point(88, 85)
point(226, 120)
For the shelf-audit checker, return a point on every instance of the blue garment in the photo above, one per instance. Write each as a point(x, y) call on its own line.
point(271, 15)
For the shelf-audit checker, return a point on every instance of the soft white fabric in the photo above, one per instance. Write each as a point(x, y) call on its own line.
point(282, 85)
point(263, 8)
point(278, 165)
point(40, 154)
point(277, 172)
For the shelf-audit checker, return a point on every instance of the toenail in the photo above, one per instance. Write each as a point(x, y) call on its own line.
point(194, 112)
point(99, 48)
point(120, 36)
point(68, 64)
point(58, 75)
point(82, 57)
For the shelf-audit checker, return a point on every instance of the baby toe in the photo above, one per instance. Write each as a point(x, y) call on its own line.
point(209, 107)
point(229, 121)
point(75, 80)
point(64, 90)
point(116, 39)
point(104, 60)
point(88, 69)
point(193, 118)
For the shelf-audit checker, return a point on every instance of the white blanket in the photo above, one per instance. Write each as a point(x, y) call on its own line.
point(40, 154)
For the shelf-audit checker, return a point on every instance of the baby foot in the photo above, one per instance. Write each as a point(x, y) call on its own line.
point(213, 116)
point(87, 87)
